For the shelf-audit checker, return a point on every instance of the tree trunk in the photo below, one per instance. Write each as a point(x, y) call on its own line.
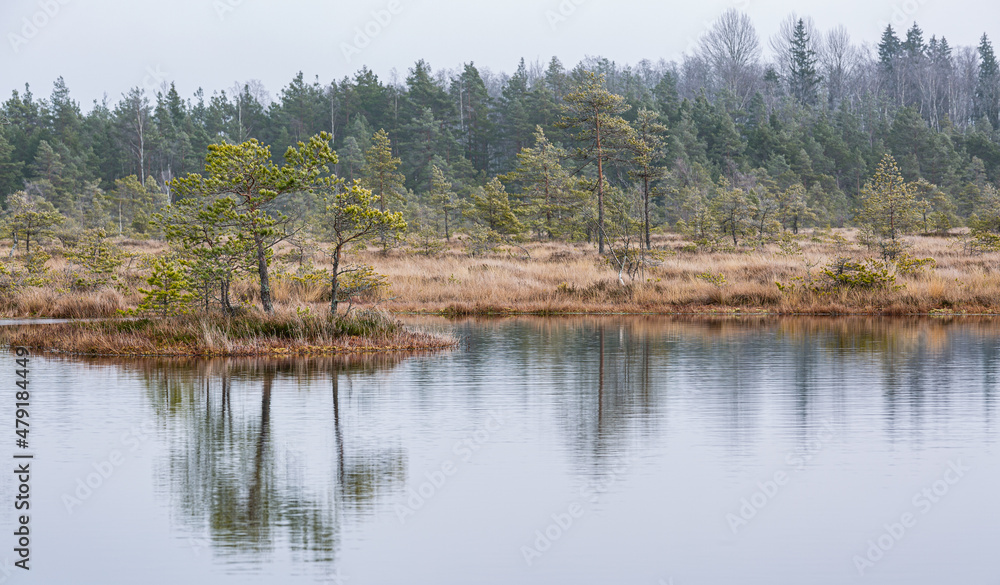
point(600, 191)
point(333, 282)
point(227, 306)
point(548, 207)
point(255, 505)
point(645, 200)
point(265, 281)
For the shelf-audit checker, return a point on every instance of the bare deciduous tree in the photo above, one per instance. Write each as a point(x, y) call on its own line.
point(732, 47)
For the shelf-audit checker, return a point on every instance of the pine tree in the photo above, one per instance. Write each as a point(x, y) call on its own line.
point(135, 204)
point(168, 288)
point(887, 209)
point(794, 210)
point(547, 192)
point(515, 112)
point(380, 174)
point(732, 210)
point(29, 218)
point(202, 234)
point(442, 198)
point(246, 174)
point(491, 209)
point(475, 126)
point(649, 153)
point(351, 215)
point(603, 135)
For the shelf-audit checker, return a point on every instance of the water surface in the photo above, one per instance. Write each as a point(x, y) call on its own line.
point(578, 450)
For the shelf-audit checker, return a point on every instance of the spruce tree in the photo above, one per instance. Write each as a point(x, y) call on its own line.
point(803, 79)
point(988, 84)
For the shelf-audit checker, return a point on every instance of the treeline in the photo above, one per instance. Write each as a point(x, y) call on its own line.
point(517, 154)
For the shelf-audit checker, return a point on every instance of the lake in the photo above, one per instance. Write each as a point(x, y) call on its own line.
point(611, 450)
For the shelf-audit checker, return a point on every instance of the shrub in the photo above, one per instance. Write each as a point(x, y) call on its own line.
point(869, 274)
point(909, 266)
point(718, 280)
point(168, 288)
point(99, 257)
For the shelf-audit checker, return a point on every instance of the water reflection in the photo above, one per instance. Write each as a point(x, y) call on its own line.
point(295, 462)
point(244, 484)
point(616, 379)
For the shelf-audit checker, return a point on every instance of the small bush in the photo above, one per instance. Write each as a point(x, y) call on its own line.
point(870, 274)
point(718, 280)
point(909, 266)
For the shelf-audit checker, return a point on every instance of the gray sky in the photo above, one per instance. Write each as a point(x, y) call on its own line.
point(107, 46)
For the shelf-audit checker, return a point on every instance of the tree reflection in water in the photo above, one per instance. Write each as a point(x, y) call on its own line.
point(273, 458)
point(246, 487)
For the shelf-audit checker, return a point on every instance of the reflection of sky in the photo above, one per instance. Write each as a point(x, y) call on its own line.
point(680, 421)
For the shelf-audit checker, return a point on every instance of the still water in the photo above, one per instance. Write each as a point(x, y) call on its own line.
point(639, 451)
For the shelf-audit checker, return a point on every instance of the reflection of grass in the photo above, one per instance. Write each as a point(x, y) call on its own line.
point(253, 333)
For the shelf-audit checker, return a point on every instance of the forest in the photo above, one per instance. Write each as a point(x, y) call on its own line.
point(819, 113)
point(736, 147)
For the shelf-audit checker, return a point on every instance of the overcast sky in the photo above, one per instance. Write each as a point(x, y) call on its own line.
point(106, 46)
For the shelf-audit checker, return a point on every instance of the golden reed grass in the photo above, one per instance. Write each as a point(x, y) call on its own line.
point(563, 278)
point(571, 278)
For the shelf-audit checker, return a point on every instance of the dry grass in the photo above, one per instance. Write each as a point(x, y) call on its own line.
point(284, 333)
point(563, 278)
point(570, 278)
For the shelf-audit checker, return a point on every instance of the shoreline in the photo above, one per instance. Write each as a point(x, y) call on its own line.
point(208, 336)
point(102, 337)
point(543, 279)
